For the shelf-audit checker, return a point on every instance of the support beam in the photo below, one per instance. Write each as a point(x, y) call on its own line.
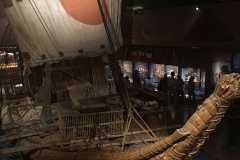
point(48, 90)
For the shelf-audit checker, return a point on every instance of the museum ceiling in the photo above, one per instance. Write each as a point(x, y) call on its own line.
point(152, 4)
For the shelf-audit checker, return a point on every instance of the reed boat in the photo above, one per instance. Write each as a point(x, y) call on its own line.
point(67, 108)
point(182, 144)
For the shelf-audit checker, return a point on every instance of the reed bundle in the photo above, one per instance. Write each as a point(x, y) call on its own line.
point(205, 119)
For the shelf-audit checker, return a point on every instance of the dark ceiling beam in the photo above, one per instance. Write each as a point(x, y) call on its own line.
point(152, 4)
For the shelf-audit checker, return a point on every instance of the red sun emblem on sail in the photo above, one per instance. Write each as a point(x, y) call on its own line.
point(85, 11)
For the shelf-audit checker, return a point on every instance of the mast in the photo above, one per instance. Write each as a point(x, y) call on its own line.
point(118, 77)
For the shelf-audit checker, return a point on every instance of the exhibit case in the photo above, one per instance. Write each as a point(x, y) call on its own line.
point(142, 68)
point(158, 70)
point(170, 68)
point(199, 79)
point(127, 69)
point(219, 69)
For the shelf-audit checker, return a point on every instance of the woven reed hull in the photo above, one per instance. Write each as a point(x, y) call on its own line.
point(183, 143)
point(144, 153)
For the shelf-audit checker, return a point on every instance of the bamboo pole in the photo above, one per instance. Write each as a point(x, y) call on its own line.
point(47, 91)
point(139, 154)
point(86, 145)
point(142, 131)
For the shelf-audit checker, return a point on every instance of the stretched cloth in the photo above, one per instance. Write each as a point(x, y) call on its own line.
point(50, 30)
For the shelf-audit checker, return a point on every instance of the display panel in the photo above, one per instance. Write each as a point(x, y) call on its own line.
point(191, 72)
point(220, 68)
point(170, 69)
point(158, 70)
point(143, 69)
point(199, 79)
point(127, 69)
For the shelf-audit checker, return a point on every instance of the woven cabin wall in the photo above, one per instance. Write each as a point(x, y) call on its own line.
point(100, 76)
point(36, 83)
point(61, 78)
point(96, 75)
point(39, 94)
point(99, 73)
point(36, 78)
point(83, 73)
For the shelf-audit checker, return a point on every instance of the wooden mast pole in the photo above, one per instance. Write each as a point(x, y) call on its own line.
point(118, 78)
point(47, 91)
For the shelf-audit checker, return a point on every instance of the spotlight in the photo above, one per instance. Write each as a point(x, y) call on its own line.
point(197, 8)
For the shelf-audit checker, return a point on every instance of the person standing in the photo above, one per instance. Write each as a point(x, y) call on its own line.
point(172, 82)
point(190, 88)
point(179, 89)
point(126, 79)
point(136, 79)
point(162, 85)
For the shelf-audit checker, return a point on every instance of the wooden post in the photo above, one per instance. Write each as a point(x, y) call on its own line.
point(47, 90)
point(208, 70)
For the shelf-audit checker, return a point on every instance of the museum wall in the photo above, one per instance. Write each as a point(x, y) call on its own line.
point(213, 25)
point(222, 55)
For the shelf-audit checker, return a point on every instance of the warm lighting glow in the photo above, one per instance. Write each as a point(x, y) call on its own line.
point(12, 65)
point(197, 8)
point(18, 85)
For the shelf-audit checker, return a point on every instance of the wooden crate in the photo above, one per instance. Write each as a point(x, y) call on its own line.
point(76, 125)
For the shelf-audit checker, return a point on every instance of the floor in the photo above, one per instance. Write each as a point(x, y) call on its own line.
point(217, 144)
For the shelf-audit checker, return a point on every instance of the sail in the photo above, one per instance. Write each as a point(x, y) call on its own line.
point(51, 30)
